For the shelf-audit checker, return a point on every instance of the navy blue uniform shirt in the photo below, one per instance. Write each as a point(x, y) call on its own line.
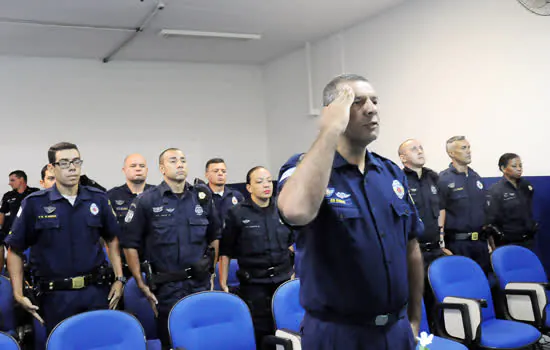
point(511, 209)
point(464, 199)
point(11, 201)
point(64, 238)
point(175, 229)
point(258, 239)
point(354, 253)
point(121, 197)
point(226, 201)
point(426, 199)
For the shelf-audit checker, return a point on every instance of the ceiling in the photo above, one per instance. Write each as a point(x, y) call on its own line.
point(96, 28)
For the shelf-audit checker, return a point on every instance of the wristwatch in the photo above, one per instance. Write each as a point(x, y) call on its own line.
point(122, 280)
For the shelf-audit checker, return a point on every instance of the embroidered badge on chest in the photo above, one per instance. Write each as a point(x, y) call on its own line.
point(49, 209)
point(94, 209)
point(198, 210)
point(329, 192)
point(119, 202)
point(398, 189)
point(434, 189)
point(479, 185)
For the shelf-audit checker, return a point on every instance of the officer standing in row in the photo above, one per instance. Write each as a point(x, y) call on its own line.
point(262, 245)
point(63, 225)
point(510, 208)
point(463, 199)
point(361, 271)
point(224, 196)
point(178, 228)
point(135, 169)
point(423, 190)
point(47, 177)
point(11, 202)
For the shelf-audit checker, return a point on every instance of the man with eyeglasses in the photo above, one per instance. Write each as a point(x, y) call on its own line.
point(178, 227)
point(63, 225)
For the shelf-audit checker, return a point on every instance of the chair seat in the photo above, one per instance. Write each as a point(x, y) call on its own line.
point(504, 334)
point(439, 343)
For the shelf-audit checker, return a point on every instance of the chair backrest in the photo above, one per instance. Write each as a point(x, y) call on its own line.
point(7, 317)
point(137, 304)
point(517, 264)
point(8, 343)
point(462, 277)
point(424, 326)
point(100, 329)
point(287, 311)
point(211, 320)
point(232, 280)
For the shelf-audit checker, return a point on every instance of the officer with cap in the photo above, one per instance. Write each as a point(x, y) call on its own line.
point(178, 228)
point(262, 245)
point(423, 189)
point(462, 200)
point(63, 225)
point(361, 270)
point(224, 196)
point(510, 208)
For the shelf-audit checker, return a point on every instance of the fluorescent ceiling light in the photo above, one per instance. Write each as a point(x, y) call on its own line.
point(200, 34)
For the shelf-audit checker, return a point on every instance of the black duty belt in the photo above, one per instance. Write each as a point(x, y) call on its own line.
point(383, 320)
point(429, 246)
point(182, 275)
point(265, 272)
point(78, 282)
point(468, 236)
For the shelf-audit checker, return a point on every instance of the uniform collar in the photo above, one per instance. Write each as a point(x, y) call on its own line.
point(453, 169)
point(163, 188)
point(250, 203)
point(54, 194)
point(506, 182)
point(370, 161)
point(127, 189)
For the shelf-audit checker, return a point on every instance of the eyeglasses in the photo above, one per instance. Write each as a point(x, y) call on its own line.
point(66, 164)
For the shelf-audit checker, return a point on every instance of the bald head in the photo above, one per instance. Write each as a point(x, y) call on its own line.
point(411, 154)
point(135, 168)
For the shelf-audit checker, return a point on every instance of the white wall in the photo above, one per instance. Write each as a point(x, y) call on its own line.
point(110, 110)
point(441, 68)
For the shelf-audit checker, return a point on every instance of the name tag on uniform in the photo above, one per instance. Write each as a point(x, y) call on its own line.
point(475, 236)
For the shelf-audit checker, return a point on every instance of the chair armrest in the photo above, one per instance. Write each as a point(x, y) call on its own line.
point(526, 302)
point(269, 341)
point(461, 319)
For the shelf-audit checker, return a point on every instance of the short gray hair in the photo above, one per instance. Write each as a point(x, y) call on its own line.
point(330, 92)
point(453, 140)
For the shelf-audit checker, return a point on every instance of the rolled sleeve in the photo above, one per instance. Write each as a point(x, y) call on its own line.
point(23, 233)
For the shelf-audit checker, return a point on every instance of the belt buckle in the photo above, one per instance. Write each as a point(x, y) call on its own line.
point(381, 320)
point(270, 270)
point(475, 236)
point(77, 282)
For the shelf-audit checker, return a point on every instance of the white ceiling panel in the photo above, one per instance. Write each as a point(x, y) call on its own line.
point(51, 27)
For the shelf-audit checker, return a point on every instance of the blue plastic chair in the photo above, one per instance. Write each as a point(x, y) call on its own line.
point(100, 329)
point(7, 342)
point(7, 316)
point(438, 343)
point(137, 304)
point(287, 311)
point(232, 280)
point(515, 264)
point(461, 277)
point(211, 320)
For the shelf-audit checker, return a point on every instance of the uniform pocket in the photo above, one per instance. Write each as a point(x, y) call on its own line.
point(401, 208)
point(163, 232)
point(197, 227)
